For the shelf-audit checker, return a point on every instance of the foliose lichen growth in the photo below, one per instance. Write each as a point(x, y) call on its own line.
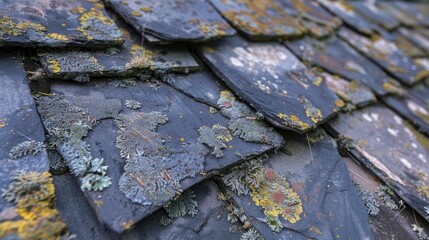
point(133, 104)
point(368, 198)
point(251, 234)
point(182, 205)
point(153, 171)
point(26, 148)
point(386, 194)
point(34, 199)
point(420, 232)
point(267, 189)
point(215, 137)
point(244, 123)
point(66, 126)
point(123, 83)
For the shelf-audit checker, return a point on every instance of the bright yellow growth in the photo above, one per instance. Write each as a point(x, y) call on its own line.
point(293, 121)
point(54, 65)
point(57, 36)
point(339, 103)
point(91, 15)
point(36, 207)
point(142, 57)
point(227, 95)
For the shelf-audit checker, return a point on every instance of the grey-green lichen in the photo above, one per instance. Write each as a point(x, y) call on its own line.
point(386, 194)
point(371, 203)
point(215, 137)
point(419, 232)
point(165, 221)
point(182, 205)
point(152, 171)
point(133, 104)
point(66, 126)
point(274, 223)
point(240, 177)
point(122, 83)
point(251, 234)
point(245, 123)
point(26, 148)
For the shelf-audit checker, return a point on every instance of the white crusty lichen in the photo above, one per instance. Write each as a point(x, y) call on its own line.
point(26, 148)
point(133, 104)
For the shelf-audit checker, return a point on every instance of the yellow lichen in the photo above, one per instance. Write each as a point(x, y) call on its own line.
point(146, 9)
point(141, 57)
point(276, 197)
point(339, 103)
point(226, 137)
point(2, 123)
point(317, 81)
point(39, 219)
point(54, 65)
point(92, 14)
point(127, 225)
point(57, 36)
point(98, 203)
point(136, 13)
point(227, 95)
point(293, 121)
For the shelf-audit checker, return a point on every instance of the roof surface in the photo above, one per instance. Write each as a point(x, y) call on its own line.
point(214, 119)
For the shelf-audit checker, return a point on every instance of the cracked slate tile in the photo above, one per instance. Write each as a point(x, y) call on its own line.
point(211, 221)
point(387, 55)
point(410, 109)
point(402, 164)
point(56, 24)
point(273, 81)
point(345, 11)
point(133, 59)
point(27, 208)
point(337, 57)
point(302, 192)
point(182, 158)
point(259, 20)
point(371, 12)
point(174, 20)
point(317, 21)
point(390, 222)
point(352, 93)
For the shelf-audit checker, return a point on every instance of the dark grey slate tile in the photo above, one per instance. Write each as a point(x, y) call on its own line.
point(134, 58)
point(416, 38)
point(403, 43)
point(412, 110)
point(403, 17)
point(345, 11)
point(353, 93)
point(260, 20)
point(419, 12)
point(273, 81)
point(394, 218)
point(386, 54)
point(402, 162)
point(303, 192)
point(174, 20)
point(317, 21)
point(56, 24)
point(187, 140)
point(371, 12)
point(337, 57)
point(210, 222)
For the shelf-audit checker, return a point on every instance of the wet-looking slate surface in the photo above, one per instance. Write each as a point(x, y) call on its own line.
point(182, 145)
point(264, 19)
point(174, 20)
point(311, 168)
point(402, 164)
point(387, 55)
point(56, 24)
point(337, 57)
point(273, 81)
point(135, 57)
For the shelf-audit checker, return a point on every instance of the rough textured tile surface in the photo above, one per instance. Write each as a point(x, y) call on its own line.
point(273, 81)
point(174, 20)
point(371, 12)
point(188, 144)
point(387, 55)
point(402, 164)
point(394, 220)
point(403, 17)
point(133, 59)
point(56, 24)
point(211, 221)
point(311, 15)
point(351, 92)
point(263, 19)
point(308, 168)
point(416, 38)
point(337, 57)
point(346, 12)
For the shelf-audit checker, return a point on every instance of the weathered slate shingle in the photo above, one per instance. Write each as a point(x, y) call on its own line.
point(273, 81)
point(56, 24)
point(371, 12)
point(302, 192)
point(265, 19)
point(174, 20)
point(337, 57)
point(402, 164)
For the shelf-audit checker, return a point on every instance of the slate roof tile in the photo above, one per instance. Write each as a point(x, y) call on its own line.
point(273, 81)
point(56, 24)
point(191, 134)
point(174, 20)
